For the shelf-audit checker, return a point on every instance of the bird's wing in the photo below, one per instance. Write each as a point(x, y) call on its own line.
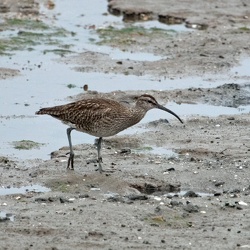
point(89, 110)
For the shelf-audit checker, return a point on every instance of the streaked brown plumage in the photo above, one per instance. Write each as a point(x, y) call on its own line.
point(101, 118)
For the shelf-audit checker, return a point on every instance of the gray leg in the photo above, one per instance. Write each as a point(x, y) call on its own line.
point(99, 146)
point(71, 154)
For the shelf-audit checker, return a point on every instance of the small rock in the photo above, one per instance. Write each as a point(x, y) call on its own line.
point(125, 151)
point(176, 203)
point(217, 194)
point(219, 183)
point(115, 199)
point(95, 189)
point(242, 203)
point(190, 208)
point(236, 190)
point(170, 169)
point(41, 199)
point(245, 246)
point(227, 204)
point(190, 194)
point(33, 174)
point(83, 196)
point(64, 200)
point(134, 197)
point(4, 217)
point(157, 198)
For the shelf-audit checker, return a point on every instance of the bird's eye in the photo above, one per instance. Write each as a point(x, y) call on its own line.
point(150, 101)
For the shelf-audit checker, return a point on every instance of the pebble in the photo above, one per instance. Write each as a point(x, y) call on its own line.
point(190, 194)
point(245, 246)
point(219, 183)
point(115, 199)
point(137, 197)
point(64, 200)
point(125, 151)
point(190, 208)
point(83, 196)
point(4, 218)
point(157, 198)
point(170, 169)
point(176, 203)
point(242, 203)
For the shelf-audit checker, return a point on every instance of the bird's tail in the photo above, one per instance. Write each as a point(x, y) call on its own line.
point(47, 111)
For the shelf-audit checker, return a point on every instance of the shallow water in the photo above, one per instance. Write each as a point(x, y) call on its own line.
point(23, 190)
point(9, 216)
point(43, 82)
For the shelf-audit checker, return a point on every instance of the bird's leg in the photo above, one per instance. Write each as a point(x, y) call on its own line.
point(71, 154)
point(99, 146)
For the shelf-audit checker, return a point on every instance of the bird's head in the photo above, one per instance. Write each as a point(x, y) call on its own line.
point(148, 102)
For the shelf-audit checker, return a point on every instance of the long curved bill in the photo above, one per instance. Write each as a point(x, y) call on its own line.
point(169, 111)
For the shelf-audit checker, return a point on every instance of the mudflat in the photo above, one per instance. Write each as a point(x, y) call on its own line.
point(171, 186)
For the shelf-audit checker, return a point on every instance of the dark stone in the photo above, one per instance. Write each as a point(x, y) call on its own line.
point(125, 151)
point(83, 196)
point(41, 199)
point(176, 203)
point(219, 183)
point(134, 197)
point(170, 169)
point(217, 194)
point(115, 199)
point(190, 194)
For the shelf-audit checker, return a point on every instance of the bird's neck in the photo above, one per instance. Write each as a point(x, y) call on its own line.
point(137, 114)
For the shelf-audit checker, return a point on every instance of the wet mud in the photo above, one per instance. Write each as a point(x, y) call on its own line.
point(167, 185)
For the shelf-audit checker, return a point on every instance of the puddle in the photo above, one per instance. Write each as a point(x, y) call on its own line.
point(206, 109)
point(243, 68)
point(163, 151)
point(158, 151)
point(23, 190)
point(6, 216)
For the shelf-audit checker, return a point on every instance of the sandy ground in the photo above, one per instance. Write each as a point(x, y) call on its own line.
point(133, 205)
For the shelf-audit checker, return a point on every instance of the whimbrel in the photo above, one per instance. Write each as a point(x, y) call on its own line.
point(101, 117)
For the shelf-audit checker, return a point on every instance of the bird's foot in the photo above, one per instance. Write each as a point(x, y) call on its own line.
point(100, 165)
point(106, 171)
point(70, 165)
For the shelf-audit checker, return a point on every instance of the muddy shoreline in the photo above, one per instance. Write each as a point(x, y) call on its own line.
point(169, 186)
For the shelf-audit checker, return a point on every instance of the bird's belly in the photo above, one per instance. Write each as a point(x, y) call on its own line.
point(103, 130)
point(99, 132)
point(104, 127)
